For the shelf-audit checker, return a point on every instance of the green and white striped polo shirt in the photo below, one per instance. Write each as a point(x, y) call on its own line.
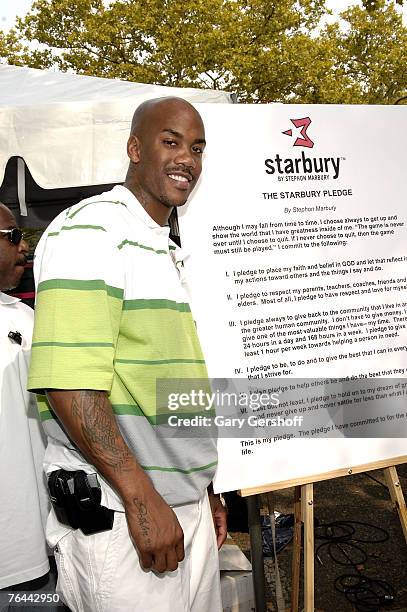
point(112, 314)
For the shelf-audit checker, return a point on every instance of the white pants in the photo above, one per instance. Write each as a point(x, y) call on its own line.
point(102, 573)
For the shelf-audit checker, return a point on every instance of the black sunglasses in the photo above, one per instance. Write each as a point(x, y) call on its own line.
point(14, 235)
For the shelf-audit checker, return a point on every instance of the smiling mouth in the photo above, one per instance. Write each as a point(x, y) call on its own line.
point(181, 180)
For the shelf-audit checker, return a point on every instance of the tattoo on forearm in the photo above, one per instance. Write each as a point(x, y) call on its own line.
point(142, 519)
point(99, 428)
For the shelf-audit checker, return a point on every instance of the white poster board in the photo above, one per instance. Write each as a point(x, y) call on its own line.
point(296, 250)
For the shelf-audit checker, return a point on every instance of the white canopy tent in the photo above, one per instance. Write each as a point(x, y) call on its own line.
point(62, 136)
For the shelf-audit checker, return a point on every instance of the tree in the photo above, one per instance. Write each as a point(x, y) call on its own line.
point(264, 50)
point(18, 53)
point(194, 43)
point(155, 41)
point(373, 52)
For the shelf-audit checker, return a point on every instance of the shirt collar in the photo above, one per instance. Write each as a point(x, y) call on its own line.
point(135, 207)
point(7, 299)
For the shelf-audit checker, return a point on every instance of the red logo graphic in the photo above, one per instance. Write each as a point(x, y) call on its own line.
point(303, 123)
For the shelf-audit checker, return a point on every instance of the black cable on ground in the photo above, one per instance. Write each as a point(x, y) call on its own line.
point(341, 541)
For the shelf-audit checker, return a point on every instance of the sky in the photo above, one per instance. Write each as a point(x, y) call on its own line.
point(10, 8)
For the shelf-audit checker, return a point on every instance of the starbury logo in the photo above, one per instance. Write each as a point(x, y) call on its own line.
point(303, 167)
point(305, 140)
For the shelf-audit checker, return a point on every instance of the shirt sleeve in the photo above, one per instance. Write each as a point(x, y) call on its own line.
point(80, 285)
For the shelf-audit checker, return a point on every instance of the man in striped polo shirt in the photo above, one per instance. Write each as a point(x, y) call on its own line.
point(111, 318)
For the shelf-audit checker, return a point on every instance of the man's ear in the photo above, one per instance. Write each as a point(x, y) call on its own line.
point(133, 149)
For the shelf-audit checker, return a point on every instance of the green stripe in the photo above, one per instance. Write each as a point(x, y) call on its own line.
point(157, 361)
point(133, 409)
point(142, 246)
point(73, 344)
point(155, 304)
point(115, 292)
point(172, 248)
point(81, 285)
point(73, 227)
point(150, 468)
point(76, 227)
point(161, 418)
point(96, 202)
point(46, 415)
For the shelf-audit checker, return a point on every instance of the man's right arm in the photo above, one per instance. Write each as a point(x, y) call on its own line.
point(89, 421)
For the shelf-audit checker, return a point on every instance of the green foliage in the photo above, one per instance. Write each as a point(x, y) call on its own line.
point(264, 50)
point(374, 52)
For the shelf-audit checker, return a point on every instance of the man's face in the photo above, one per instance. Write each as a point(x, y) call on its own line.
point(168, 158)
point(12, 256)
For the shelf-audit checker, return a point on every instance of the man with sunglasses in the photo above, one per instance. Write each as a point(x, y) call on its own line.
point(13, 251)
point(23, 557)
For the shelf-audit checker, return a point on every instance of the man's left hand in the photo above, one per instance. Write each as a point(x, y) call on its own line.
point(219, 515)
